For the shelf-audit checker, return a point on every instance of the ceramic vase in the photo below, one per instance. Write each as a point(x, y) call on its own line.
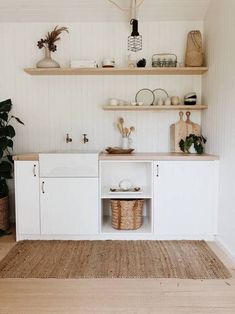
point(125, 142)
point(47, 61)
point(192, 150)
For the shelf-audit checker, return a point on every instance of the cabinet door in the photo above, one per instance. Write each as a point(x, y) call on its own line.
point(185, 198)
point(27, 197)
point(69, 206)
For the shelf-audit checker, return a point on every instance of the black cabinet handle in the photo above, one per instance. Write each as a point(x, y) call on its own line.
point(157, 170)
point(43, 183)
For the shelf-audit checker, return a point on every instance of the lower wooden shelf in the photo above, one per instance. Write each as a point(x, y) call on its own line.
point(154, 108)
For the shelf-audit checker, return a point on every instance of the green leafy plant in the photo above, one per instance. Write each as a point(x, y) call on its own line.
point(7, 133)
point(196, 141)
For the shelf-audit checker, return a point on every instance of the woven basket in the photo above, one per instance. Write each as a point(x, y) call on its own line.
point(194, 52)
point(4, 213)
point(127, 214)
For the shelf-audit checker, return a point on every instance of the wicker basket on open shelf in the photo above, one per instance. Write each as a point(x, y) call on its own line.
point(127, 214)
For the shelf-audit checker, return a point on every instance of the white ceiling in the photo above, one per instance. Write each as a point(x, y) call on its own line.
point(98, 10)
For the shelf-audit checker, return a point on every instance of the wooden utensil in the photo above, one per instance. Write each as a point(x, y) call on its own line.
point(121, 121)
point(192, 128)
point(126, 132)
point(178, 131)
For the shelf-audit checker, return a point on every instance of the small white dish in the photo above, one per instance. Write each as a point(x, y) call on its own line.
point(113, 102)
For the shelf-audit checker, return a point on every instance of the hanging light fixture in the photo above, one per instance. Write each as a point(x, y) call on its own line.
point(135, 39)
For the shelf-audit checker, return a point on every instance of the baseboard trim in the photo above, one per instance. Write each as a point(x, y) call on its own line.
point(225, 248)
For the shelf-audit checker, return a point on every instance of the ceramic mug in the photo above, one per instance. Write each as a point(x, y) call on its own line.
point(168, 101)
point(175, 100)
point(160, 102)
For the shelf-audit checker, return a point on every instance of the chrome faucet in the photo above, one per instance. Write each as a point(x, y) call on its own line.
point(68, 139)
point(85, 139)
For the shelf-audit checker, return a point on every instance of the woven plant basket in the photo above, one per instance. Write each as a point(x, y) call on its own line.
point(127, 214)
point(194, 53)
point(4, 213)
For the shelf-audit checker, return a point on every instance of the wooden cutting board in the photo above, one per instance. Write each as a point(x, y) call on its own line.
point(192, 128)
point(178, 131)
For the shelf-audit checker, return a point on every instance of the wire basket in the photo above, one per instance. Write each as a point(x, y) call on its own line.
point(164, 60)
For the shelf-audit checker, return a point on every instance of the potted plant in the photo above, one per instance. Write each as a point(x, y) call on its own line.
point(7, 133)
point(196, 141)
point(48, 43)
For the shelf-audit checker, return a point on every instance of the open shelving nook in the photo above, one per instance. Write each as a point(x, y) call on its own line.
point(117, 71)
point(140, 173)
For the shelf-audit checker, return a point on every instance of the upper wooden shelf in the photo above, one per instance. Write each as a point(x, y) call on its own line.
point(155, 108)
point(117, 71)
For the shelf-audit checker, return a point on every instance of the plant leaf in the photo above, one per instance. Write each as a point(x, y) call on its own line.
point(3, 143)
point(5, 166)
point(3, 188)
point(10, 143)
point(9, 157)
point(7, 131)
point(181, 145)
point(5, 170)
point(6, 105)
point(18, 120)
point(4, 116)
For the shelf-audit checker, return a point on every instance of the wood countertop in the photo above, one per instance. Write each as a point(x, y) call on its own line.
point(26, 157)
point(134, 156)
point(158, 156)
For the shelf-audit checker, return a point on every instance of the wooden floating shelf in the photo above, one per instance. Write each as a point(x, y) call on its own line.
point(150, 108)
point(118, 71)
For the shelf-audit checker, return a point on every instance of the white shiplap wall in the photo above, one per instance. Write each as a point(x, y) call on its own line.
point(54, 106)
point(99, 10)
point(219, 121)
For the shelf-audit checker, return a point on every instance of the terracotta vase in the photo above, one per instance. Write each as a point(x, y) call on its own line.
point(47, 61)
point(4, 213)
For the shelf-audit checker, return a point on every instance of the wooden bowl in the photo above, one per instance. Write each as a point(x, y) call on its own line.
point(119, 150)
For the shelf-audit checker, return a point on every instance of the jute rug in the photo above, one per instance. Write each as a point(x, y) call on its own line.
point(112, 259)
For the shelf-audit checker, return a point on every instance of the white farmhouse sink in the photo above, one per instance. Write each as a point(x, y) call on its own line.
point(69, 164)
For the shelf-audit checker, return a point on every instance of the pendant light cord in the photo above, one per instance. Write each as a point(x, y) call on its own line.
point(137, 5)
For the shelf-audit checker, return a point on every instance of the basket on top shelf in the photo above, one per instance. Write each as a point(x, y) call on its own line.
point(127, 214)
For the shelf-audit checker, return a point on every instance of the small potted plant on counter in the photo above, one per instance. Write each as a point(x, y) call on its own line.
point(7, 133)
point(193, 141)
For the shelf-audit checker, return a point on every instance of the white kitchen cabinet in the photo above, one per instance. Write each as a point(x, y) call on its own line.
point(27, 198)
point(69, 206)
point(185, 199)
